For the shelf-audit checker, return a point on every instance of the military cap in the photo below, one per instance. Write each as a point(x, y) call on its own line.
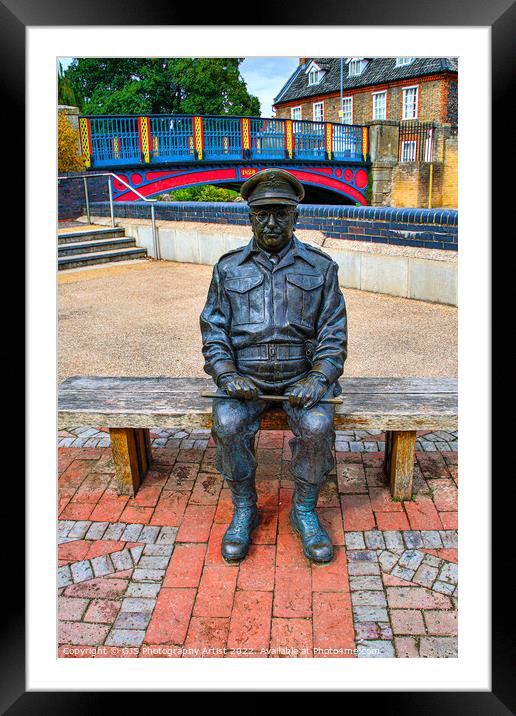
point(272, 186)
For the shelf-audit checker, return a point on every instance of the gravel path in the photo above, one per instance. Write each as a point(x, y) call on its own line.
point(143, 319)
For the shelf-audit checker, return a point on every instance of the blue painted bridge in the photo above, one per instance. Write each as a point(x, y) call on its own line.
point(159, 153)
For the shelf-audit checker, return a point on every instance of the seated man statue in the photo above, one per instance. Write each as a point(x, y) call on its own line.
point(275, 323)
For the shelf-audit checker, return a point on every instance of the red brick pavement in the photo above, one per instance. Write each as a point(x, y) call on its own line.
point(275, 603)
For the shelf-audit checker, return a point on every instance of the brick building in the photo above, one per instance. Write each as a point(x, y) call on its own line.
point(374, 88)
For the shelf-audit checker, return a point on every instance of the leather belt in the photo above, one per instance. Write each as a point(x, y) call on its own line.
point(272, 351)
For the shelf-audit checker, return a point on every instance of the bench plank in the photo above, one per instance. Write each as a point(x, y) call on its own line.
point(369, 403)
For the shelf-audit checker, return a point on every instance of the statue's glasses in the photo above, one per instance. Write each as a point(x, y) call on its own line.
point(280, 214)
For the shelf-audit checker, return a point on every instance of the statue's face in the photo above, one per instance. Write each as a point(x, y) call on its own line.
point(273, 225)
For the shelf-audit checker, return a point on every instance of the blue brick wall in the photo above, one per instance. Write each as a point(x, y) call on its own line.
point(428, 228)
point(71, 200)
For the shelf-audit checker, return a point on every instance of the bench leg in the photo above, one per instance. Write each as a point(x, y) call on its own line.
point(400, 451)
point(131, 456)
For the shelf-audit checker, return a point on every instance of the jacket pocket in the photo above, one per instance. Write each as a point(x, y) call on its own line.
point(303, 298)
point(247, 299)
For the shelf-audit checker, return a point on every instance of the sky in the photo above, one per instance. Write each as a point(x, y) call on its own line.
point(264, 76)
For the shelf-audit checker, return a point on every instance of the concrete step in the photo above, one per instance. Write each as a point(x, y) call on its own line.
point(86, 247)
point(73, 237)
point(78, 260)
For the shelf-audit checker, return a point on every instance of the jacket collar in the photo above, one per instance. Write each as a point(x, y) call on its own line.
point(297, 249)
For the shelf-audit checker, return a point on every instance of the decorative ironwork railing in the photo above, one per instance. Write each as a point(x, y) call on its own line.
point(161, 139)
point(416, 141)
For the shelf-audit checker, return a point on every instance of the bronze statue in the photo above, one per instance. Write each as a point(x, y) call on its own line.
point(275, 323)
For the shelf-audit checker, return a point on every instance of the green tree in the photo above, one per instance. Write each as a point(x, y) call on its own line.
point(66, 92)
point(202, 193)
point(162, 86)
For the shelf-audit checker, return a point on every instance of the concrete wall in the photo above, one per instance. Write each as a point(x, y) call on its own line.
point(407, 275)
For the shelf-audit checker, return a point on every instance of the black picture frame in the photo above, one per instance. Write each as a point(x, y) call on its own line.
point(500, 16)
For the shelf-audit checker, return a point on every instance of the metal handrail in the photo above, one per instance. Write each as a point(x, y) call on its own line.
point(84, 177)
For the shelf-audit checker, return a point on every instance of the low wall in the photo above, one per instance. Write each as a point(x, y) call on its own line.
point(409, 272)
point(419, 228)
point(71, 201)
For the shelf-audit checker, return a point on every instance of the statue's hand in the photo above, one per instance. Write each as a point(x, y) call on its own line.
point(238, 386)
point(307, 392)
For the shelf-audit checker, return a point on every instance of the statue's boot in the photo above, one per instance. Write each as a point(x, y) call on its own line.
point(317, 544)
point(236, 541)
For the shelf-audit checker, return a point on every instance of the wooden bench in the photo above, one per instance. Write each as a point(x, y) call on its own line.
point(130, 406)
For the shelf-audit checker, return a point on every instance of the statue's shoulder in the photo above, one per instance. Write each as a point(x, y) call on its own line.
point(325, 258)
point(229, 255)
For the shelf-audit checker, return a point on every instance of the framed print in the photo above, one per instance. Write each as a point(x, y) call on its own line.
point(477, 679)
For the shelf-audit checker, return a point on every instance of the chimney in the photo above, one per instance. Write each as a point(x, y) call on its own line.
point(302, 60)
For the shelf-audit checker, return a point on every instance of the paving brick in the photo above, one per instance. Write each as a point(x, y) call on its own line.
point(368, 598)
point(407, 621)
point(357, 513)
point(70, 609)
point(422, 514)
point(224, 512)
point(73, 551)
point(413, 539)
point(148, 575)
point(291, 638)
point(332, 577)
point(196, 524)
point(411, 559)
point(102, 565)
point(367, 630)
point(370, 614)
point(167, 536)
point(108, 509)
point(132, 620)
point(103, 587)
point(416, 598)
point(449, 520)
point(443, 587)
point(80, 633)
point(256, 572)
point(170, 508)
point(79, 529)
point(97, 530)
point(292, 592)
point(207, 635)
point(391, 521)
point(171, 616)
point(438, 647)
point(432, 561)
point(102, 611)
point(125, 637)
point(403, 573)
point(146, 590)
point(331, 520)
point(64, 527)
point(431, 539)
point(332, 622)
point(381, 500)
point(362, 555)
point(81, 571)
point(425, 575)
point(216, 591)
point(185, 567)
point(449, 538)
point(445, 495)
point(214, 550)
point(122, 560)
point(406, 647)
point(115, 531)
point(158, 550)
point(356, 569)
point(394, 541)
point(149, 534)
point(355, 540)
point(137, 604)
point(131, 533)
point(206, 489)
point(250, 625)
point(441, 622)
point(374, 539)
point(375, 649)
point(136, 554)
point(351, 478)
point(289, 552)
point(387, 560)
point(365, 582)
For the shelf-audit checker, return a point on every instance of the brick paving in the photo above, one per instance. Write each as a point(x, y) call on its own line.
point(144, 577)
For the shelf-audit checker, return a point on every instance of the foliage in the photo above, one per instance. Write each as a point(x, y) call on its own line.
point(66, 93)
point(202, 193)
point(162, 85)
point(69, 158)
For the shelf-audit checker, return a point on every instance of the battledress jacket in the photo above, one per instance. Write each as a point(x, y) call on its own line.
point(275, 323)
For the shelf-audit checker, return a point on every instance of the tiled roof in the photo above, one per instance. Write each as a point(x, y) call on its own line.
point(379, 70)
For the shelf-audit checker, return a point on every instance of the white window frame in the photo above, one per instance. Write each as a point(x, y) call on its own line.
point(293, 110)
point(318, 104)
point(408, 150)
point(357, 64)
point(315, 74)
point(350, 100)
point(404, 114)
point(375, 96)
point(404, 61)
